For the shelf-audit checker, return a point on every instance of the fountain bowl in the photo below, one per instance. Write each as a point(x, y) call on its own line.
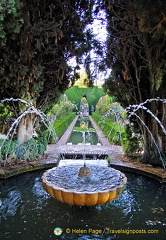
point(102, 186)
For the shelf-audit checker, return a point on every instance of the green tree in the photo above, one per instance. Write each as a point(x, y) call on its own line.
point(136, 53)
point(36, 40)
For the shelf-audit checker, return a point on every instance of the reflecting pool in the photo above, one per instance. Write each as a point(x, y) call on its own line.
point(83, 137)
point(28, 212)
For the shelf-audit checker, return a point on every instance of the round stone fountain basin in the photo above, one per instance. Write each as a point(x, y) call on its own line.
point(102, 186)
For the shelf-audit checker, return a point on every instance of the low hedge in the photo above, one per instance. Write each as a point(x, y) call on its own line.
point(61, 124)
point(112, 130)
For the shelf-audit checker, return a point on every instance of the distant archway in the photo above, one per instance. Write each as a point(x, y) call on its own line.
point(84, 106)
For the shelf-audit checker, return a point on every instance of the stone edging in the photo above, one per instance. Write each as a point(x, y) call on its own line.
point(7, 174)
point(139, 171)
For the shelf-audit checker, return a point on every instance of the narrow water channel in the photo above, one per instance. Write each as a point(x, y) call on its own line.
point(83, 133)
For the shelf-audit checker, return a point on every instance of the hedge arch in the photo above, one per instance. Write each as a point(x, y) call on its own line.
point(92, 95)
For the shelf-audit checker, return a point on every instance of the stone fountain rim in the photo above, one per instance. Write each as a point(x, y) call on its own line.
point(48, 183)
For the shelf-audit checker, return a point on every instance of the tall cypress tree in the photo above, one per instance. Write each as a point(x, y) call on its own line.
point(136, 53)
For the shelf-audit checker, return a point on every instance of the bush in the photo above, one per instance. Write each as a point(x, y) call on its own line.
point(129, 138)
point(61, 109)
point(58, 127)
point(132, 142)
point(32, 149)
point(112, 130)
point(8, 149)
point(61, 124)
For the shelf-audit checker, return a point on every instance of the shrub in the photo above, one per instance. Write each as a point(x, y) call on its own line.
point(132, 141)
point(61, 124)
point(112, 130)
point(32, 149)
point(61, 109)
point(58, 127)
point(8, 149)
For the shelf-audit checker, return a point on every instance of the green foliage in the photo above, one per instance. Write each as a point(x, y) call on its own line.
point(134, 47)
point(8, 149)
point(61, 109)
point(132, 142)
point(111, 110)
point(5, 115)
point(29, 150)
point(114, 131)
point(10, 19)
point(37, 38)
point(61, 124)
point(92, 95)
point(137, 40)
point(58, 127)
point(33, 148)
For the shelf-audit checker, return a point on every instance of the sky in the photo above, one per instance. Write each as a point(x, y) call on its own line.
point(99, 29)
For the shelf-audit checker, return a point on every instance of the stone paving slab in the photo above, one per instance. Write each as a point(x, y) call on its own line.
point(81, 162)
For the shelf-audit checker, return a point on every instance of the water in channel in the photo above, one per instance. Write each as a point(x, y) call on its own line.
point(28, 212)
point(84, 136)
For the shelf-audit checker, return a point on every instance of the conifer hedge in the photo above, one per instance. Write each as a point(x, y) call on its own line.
point(92, 95)
point(61, 124)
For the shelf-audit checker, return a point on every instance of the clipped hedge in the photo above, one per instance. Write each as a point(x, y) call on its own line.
point(113, 131)
point(92, 94)
point(61, 124)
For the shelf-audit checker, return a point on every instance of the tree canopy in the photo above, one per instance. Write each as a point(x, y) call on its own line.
point(36, 39)
point(136, 53)
point(136, 49)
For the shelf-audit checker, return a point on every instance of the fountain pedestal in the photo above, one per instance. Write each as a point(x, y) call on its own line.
point(90, 186)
